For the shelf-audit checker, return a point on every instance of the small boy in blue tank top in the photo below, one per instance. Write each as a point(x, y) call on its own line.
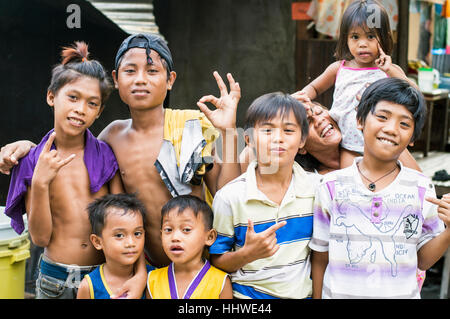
point(118, 229)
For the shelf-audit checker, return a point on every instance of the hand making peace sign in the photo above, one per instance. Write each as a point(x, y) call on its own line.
point(49, 162)
point(224, 116)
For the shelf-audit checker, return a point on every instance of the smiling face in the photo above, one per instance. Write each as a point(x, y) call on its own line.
point(76, 105)
point(363, 46)
point(276, 141)
point(184, 235)
point(142, 85)
point(387, 131)
point(323, 133)
point(122, 238)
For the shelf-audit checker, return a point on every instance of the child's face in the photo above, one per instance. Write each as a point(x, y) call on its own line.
point(277, 141)
point(363, 46)
point(142, 85)
point(76, 105)
point(123, 237)
point(388, 131)
point(184, 235)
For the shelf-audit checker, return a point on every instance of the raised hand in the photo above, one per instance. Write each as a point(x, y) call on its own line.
point(262, 244)
point(303, 98)
point(49, 163)
point(384, 61)
point(224, 116)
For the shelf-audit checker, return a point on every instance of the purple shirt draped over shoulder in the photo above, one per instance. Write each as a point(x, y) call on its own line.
point(100, 163)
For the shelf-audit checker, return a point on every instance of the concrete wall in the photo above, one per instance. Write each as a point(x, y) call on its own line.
point(252, 39)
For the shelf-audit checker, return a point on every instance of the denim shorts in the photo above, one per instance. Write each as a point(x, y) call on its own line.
point(59, 281)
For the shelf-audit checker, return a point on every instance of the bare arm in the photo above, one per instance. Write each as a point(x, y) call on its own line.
point(434, 249)
point(40, 223)
point(319, 262)
point(323, 82)
point(223, 118)
point(229, 168)
point(227, 291)
point(83, 290)
point(409, 161)
point(135, 286)
point(116, 185)
point(384, 62)
point(430, 253)
point(397, 72)
point(231, 261)
point(106, 135)
point(226, 170)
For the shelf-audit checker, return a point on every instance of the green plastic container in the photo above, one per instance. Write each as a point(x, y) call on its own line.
point(14, 251)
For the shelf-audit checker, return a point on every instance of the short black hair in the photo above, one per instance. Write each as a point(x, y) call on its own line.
point(99, 209)
point(197, 205)
point(268, 106)
point(397, 91)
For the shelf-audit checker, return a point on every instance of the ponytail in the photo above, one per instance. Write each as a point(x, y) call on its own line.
point(76, 53)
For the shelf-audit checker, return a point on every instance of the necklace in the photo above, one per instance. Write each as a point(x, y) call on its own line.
point(372, 185)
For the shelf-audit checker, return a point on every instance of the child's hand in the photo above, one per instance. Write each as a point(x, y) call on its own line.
point(443, 207)
point(49, 163)
point(224, 116)
point(262, 244)
point(301, 96)
point(10, 153)
point(384, 61)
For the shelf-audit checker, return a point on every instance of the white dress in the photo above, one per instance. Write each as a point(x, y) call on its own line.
point(351, 82)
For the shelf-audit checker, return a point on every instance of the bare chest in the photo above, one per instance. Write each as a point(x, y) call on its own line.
point(70, 190)
point(136, 158)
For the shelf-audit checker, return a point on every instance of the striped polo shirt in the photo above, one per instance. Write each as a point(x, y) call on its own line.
point(286, 274)
point(372, 238)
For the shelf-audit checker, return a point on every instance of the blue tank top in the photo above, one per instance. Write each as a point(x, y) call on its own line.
point(98, 288)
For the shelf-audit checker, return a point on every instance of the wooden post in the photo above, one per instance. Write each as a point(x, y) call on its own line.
point(402, 34)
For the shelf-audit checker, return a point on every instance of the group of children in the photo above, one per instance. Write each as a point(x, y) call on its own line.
point(138, 228)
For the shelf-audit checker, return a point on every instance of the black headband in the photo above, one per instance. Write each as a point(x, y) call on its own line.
point(148, 42)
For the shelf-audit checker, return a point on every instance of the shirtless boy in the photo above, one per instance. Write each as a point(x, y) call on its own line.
point(143, 75)
point(69, 163)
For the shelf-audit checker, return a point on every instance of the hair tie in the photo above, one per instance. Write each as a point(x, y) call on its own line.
point(84, 59)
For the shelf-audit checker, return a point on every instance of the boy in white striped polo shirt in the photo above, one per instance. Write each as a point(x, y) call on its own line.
point(264, 217)
point(374, 222)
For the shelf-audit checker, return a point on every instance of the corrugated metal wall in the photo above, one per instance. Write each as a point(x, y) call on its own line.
point(133, 16)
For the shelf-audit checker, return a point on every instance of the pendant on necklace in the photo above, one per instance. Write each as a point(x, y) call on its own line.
point(372, 187)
